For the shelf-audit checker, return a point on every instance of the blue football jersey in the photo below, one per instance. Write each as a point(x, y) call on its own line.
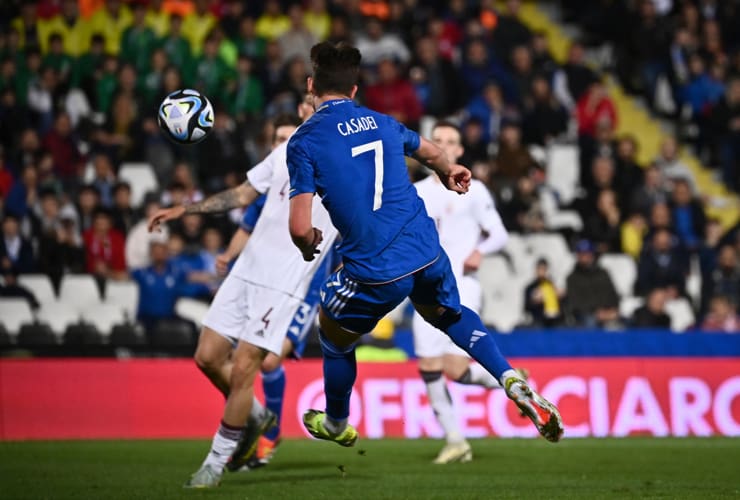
point(353, 158)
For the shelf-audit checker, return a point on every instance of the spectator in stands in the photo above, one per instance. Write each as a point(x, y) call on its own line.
point(124, 215)
point(43, 94)
point(104, 178)
point(652, 314)
point(57, 59)
point(476, 147)
point(223, 153)
point(68, 160)
point(513, 159)
point(60, 247)
point(521, 211)
point(157, 17)
point(212, 247)
point(6, 178)
point(703, 88)
point(88, 201)
point(159, 286)
point(510, 32)
point(376, 45)
point(632, 234)
point(602, 227)
point(722, 316)
point(26, 25)
point(603, 144)
point(629, 174)
point(477, 69)
point(542, 60)
point(272, 23)
point(210, 70)
point(176, 46)
point(182, 175)
point(186, 259)
point(489, 109)
point(297, 40)
point(104, 248)
point(592, 299)
point(23, 196)
point(662, 265)
point(16, 252)
point(593, 108)
point(139, 238)
point(70, 25)
point(247, 99)
point(138, 40)
point(688, 216)
point(197, 25)
point(249, 43)
point(544, 118)
point(725, 119)
point(573, 80)
point(602, 178)
point(111, 20)
point(317, 19)
point(435, 79)
point(671, 166)
point(542, 299)
point(721, 276)
point(394, 95)
point(650, 192)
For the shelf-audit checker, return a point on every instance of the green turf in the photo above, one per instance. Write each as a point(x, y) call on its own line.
point(502, 468)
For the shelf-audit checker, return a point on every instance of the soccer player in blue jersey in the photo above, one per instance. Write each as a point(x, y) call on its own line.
point(353, 158)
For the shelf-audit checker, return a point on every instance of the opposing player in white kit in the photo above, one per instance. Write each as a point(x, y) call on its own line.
point(256, 302)
point(469, 227)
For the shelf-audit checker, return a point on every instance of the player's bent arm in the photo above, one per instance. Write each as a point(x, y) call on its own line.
point(454, 177)
point(304, 235)
point(239, 196)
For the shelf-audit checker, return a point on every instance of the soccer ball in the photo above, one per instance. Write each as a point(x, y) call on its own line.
point(186, 116)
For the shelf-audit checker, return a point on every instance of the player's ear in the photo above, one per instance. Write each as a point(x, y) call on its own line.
point(353, 92)
point(309, 85)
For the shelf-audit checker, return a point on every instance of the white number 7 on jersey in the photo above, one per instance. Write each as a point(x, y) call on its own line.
point(376, 146)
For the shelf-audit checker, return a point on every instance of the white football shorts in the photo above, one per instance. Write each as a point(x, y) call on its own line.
point(252, 313)
point(430, 342)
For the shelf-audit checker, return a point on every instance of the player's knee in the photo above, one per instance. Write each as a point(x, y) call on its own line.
point(330, 349)
point(445, 319)
point(206, 360)
point(270, 364)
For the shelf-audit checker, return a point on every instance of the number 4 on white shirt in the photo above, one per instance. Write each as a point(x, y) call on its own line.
point(376, 146)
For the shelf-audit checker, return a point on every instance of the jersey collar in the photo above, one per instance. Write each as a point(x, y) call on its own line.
point(333, 102)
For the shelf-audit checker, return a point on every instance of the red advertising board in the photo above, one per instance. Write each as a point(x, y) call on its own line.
point(151, 398)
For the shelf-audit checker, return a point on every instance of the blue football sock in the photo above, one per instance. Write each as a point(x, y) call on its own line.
point(273, 384)
point(340, 371)
point(471, 335)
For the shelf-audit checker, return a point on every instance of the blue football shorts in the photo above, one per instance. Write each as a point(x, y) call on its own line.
point(358, 307)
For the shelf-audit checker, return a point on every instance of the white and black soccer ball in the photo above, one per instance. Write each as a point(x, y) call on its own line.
point(186, 116)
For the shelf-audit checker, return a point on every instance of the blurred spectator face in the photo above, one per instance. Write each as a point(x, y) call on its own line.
point(127, 77)
point(69, 9)
point(7, 70)
point(212, 240)
point(49, 78)
point(30, 140)
point(540, 44)
point(647, 10)
point(477, 54)
point(492, 95)
point(139, 14)
point(63, 125)
point(247, 28)
point(727, 258)
point(521, 59)
point(33, 62)
point(122, 196)
point(102, 223)
point(210, 48)
point(653, 177)
point(513, 7)
point(472, 132)
point(151, 208)
point(244, 65)
point(662, 241)
point(272, 8)
point(387, 71)
point(97, 45)
point(338, 30)
point(374, 29)
point(542, 269)
point(511, 135)
point(103, 167)
point(182, 174)
point(159, 60)
point(660, 215)
point(603, 171)
point(50, 206)
point(669, 149)
point(192, 223)
point(305, 107)
point(171, 80)
point(606, 201)
point(10, 228)
point(55, 44)
point(88, 200)
point(585, 258)
point(696, 65)
point(113, 6)
point(297, 71)
point(733, 91)
point(110, 65)
point(175, 245)
point(525, 187)
point(721, 308)
point(541, 89)
point(177, 193)
point(627, 149)
point(175, 26)
point(201, 6)
point(681, 192)
point(295, 14)
point(272, 51)
point(449, 140)
point(158, 252)
point(575, 54)
point(656, 301)
point(426, 50)
point(29, 176)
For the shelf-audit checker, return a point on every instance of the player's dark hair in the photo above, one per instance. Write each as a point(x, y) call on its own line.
point(286, 120)
point(446, 124)
point(336, 68)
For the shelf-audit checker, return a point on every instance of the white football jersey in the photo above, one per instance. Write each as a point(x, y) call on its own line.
point(270, 258)
point(462, 220)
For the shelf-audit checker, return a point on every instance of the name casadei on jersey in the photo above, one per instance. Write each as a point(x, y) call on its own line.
point(355, 125)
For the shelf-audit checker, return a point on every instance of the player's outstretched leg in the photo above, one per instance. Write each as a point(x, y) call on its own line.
point(468, 332)
point(260, 421)
point(340, 371)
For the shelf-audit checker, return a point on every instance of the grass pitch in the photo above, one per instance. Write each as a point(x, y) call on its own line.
point(398, 469)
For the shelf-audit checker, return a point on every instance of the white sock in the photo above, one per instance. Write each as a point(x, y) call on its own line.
point(481, 376)
point(439, 399)
point(223, 445)
point(507, 374)
point(258, 410)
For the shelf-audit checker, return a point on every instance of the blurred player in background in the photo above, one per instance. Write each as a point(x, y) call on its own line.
point(469, 227)
point(255, 304)
point(353, 158)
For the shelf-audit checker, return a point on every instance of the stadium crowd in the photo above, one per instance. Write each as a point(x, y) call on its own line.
point(80, 82)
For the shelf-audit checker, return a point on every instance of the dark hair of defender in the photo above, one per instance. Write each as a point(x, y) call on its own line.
point(336, 68)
